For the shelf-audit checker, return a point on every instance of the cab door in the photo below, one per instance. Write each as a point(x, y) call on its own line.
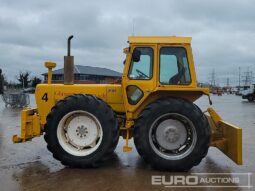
point(139, 77)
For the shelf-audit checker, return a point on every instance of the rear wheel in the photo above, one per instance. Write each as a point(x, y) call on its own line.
point(172, 134)
point(81, 131)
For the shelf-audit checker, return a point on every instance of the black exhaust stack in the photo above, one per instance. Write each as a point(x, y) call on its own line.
point(69, 64)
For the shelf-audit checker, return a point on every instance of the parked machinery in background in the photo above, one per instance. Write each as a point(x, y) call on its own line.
point(249, 93)
point(13, 99)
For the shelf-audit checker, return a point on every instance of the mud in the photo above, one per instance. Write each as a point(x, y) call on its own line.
point(29, 166)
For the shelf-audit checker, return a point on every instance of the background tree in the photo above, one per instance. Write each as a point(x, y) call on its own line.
point(1, 82)
point(23, 78)
point(35, 81)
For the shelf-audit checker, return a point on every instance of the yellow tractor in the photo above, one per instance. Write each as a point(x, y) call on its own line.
point(153, 104)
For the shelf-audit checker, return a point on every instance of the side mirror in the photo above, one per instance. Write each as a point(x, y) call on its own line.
point(136, 55)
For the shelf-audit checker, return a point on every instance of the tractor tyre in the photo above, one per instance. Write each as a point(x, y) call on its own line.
point(81, 131)
point(172, 134)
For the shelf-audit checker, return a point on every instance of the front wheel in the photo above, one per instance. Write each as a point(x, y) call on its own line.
point(81, 131)
point(172, 134)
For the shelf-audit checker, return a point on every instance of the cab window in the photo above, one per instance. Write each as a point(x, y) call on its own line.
point(174, 67)
point(134, 94)
point(142, 69)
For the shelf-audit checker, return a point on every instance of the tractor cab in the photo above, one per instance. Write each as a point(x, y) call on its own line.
point(157, 66)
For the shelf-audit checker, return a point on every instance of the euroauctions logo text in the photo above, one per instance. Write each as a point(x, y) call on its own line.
point(222, 180)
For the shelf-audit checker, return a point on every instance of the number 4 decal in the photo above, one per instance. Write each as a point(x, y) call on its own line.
point(45, 97)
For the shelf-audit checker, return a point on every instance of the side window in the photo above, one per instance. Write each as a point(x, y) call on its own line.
point(142, 70)
point(134, 94)
point(174, 67)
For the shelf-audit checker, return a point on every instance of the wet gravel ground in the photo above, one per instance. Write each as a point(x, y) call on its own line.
point(29, 166)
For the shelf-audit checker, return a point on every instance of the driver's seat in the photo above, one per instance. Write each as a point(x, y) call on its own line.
point(177, 77)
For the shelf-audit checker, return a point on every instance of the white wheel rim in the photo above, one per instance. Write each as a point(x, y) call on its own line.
point(79, 133)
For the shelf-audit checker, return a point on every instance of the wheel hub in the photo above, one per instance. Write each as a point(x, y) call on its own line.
point(171, 134)
point(82, 131)
point(79, 133)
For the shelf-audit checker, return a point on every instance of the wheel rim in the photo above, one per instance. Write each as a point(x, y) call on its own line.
point(172, 136)
point(79, 133)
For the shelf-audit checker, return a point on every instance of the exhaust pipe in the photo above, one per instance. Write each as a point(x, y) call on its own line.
point(69, 64)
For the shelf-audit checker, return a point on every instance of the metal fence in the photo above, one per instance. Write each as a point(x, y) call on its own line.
point(16, 99)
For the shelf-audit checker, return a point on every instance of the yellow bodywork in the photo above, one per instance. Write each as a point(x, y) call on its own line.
point(30, 126)
point(226, 137)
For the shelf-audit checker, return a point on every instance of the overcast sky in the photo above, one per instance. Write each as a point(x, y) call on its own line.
point(32, 31)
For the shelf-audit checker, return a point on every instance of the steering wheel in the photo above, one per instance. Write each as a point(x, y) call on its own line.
point(142, 74)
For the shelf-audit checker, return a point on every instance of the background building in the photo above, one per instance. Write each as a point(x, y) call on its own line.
point(86, 75)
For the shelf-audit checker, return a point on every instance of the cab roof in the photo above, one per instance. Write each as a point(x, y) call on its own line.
point(159, 39)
